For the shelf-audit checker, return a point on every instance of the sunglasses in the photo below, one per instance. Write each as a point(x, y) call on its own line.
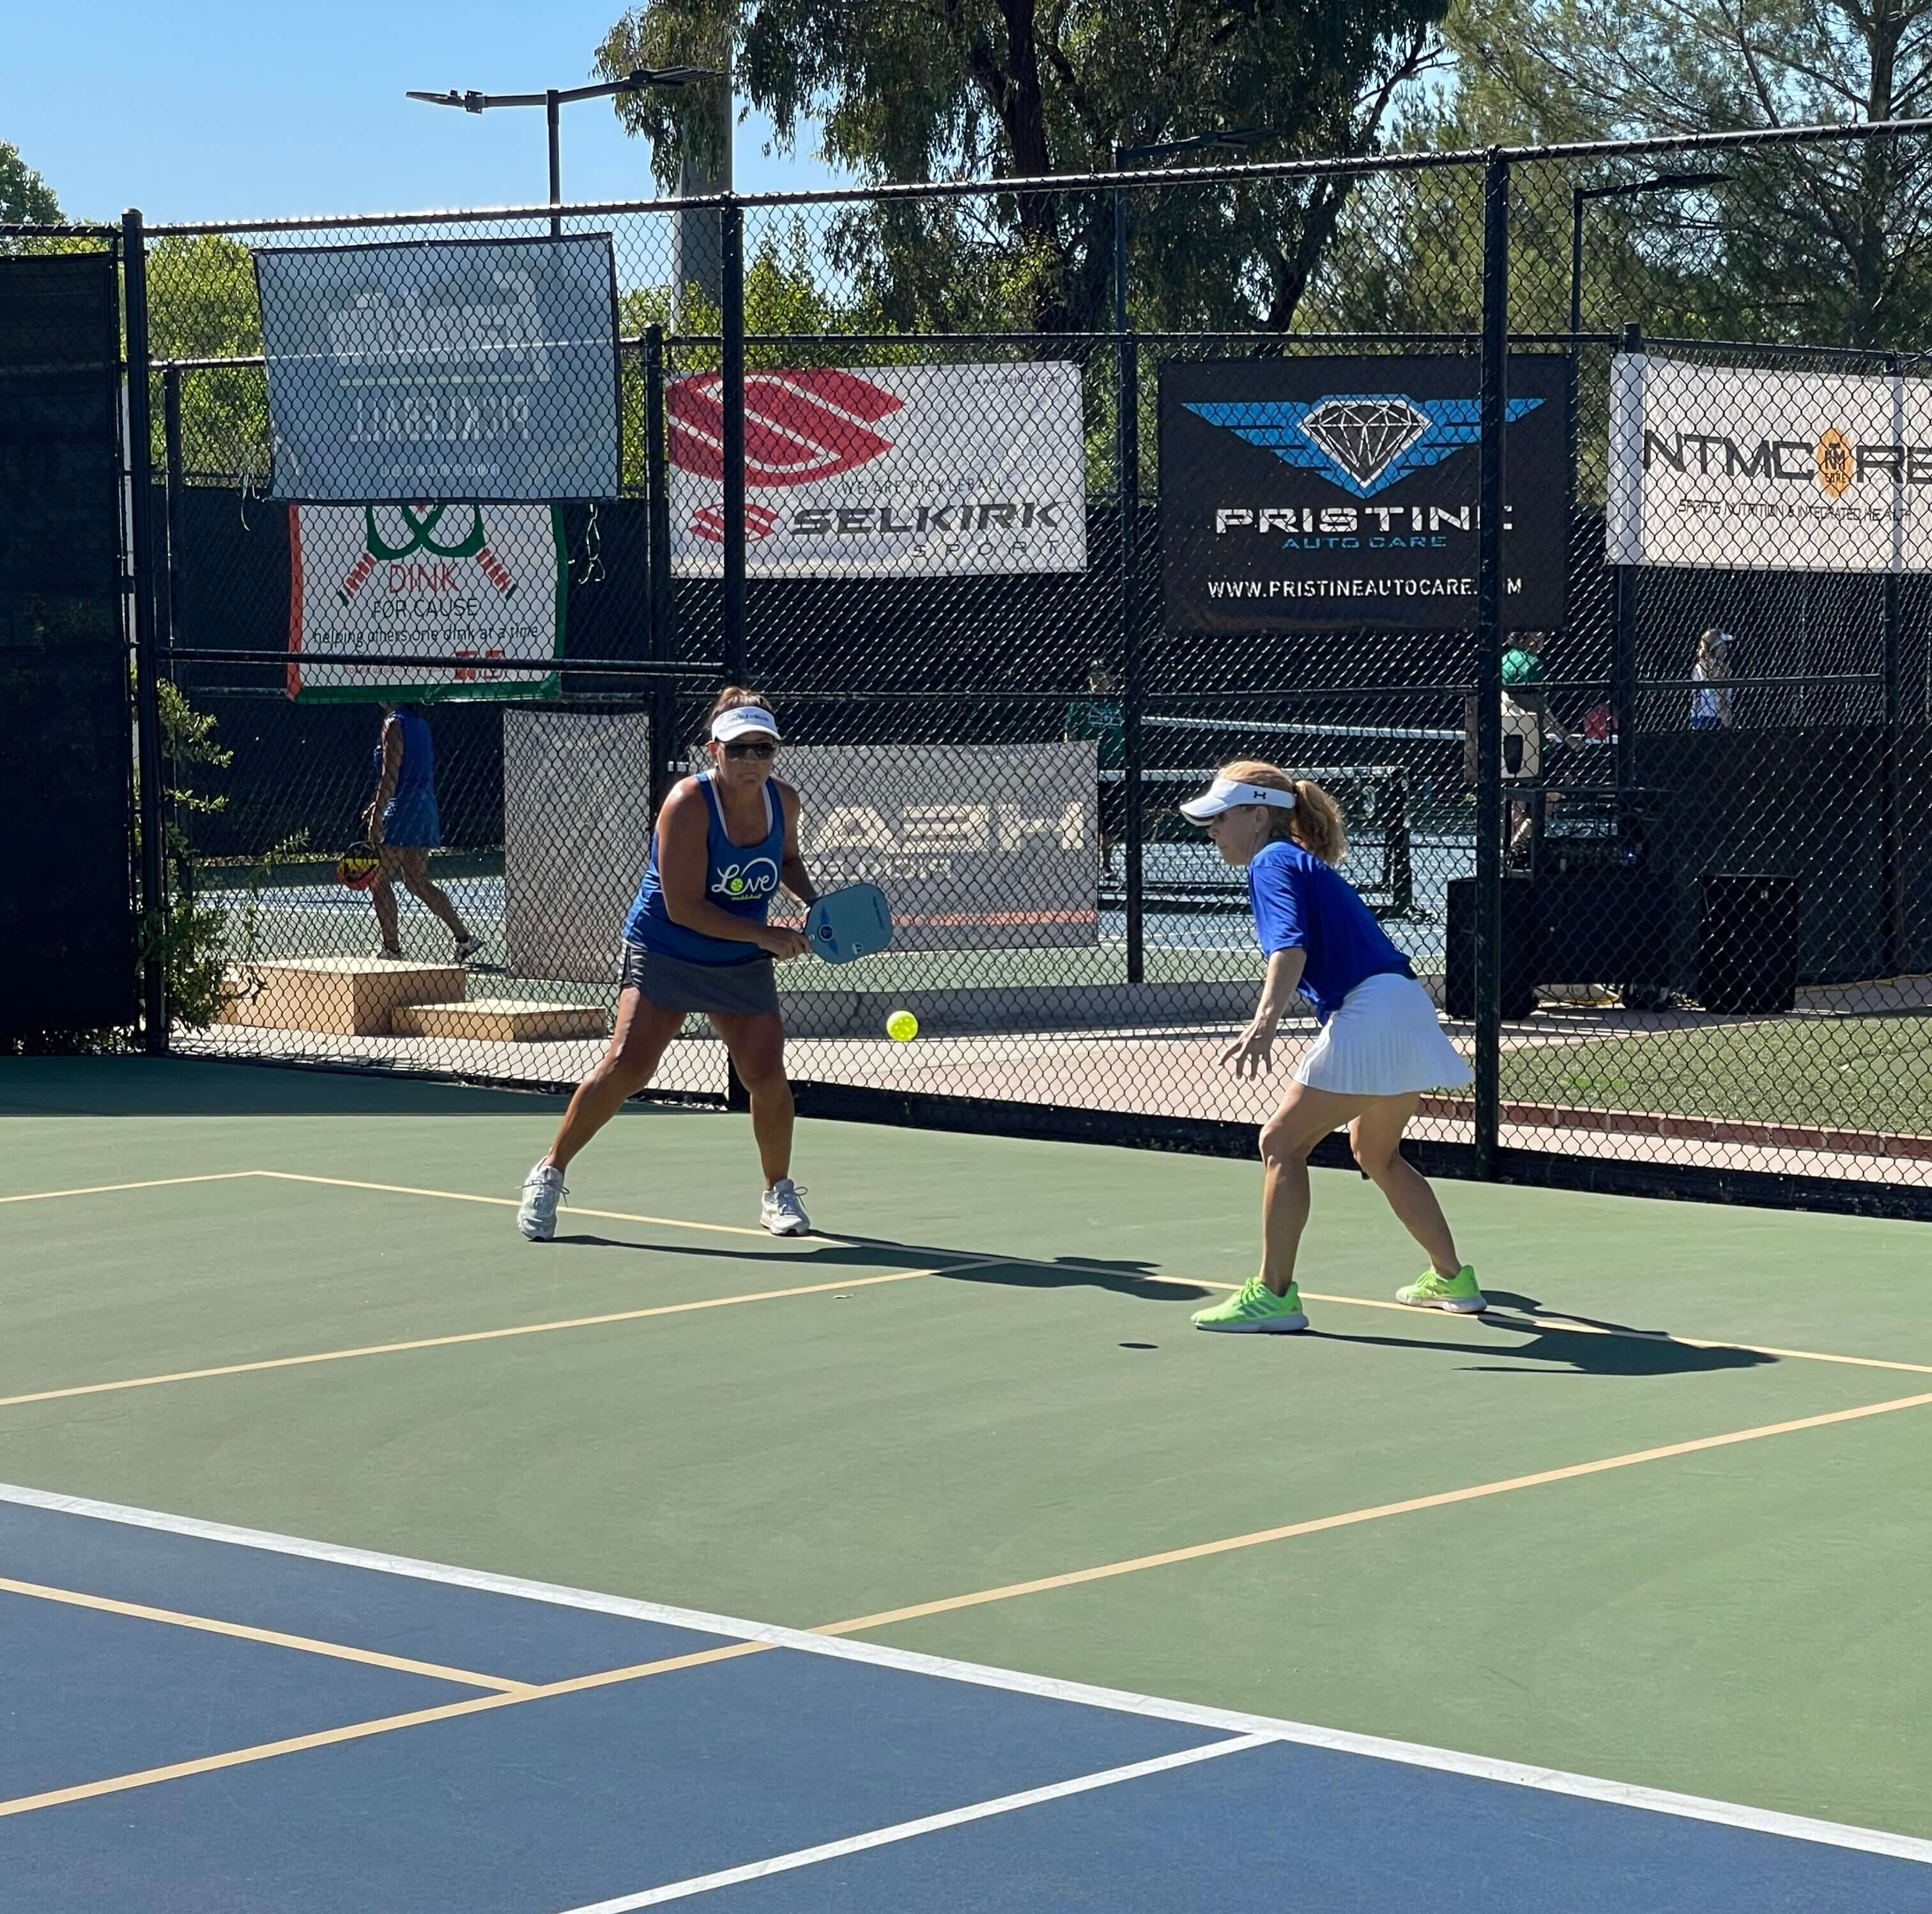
point(766, 749)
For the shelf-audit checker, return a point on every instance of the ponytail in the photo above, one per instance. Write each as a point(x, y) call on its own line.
point(1315, 823)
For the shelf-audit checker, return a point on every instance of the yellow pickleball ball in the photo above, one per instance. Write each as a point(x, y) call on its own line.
point(902, 1026)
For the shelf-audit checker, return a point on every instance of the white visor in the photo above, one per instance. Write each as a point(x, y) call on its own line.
point(1224, 794)
point(741, 718)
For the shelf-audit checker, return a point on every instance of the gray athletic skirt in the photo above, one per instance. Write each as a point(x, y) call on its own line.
point(724, 990)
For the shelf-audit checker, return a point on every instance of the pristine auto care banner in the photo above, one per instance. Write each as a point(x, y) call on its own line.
point(481, 586)
point(459, 368)
point(1725, 466)
point(901, 471)
point(1312, 493)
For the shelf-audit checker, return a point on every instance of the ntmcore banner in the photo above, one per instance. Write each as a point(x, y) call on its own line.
point(1307, 494)
point(1726, 467)
point(480, 369)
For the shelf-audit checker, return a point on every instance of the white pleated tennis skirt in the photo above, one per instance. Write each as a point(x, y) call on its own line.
point(1384, 1041)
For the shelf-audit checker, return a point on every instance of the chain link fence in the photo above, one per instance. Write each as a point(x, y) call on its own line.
point(1645, 812)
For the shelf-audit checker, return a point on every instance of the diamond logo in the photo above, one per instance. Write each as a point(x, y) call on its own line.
point(1363, 442)
point(1365, 436)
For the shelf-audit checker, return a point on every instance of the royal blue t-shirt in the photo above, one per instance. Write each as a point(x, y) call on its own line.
point(1301, 903)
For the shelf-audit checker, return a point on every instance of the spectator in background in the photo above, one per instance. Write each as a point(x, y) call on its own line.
point(404, 828)
point(1527, 721)
point(1710, 672)
point(1101, 719)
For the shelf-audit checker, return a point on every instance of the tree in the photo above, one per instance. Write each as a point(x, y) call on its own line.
point(25, 198)
point(1826, 242)
point(909, 90)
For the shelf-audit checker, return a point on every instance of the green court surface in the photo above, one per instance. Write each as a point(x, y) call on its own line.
point(1854, 1072)
point(1681, 1554)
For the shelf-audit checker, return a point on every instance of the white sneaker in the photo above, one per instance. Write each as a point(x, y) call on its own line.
point(782, 1213)
point(468, 947)
point(536, 1215)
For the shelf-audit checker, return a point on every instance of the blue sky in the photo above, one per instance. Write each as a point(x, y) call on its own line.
point(238, 109)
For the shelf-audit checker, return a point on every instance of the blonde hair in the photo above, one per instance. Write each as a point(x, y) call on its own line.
point(1714, 654)
point(1315, 823)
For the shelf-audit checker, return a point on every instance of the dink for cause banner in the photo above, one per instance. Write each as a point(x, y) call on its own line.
point(1325, 492)
point(903, 471)
point(1729, 468)
point(481, 586)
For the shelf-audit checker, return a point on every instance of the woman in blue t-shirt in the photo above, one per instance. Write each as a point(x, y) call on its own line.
point(697, 942)
point(1380, 1044)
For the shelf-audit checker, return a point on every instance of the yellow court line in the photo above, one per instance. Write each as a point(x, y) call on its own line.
point(609, 1678)
point(449, 1342)
point(970, 1259)
point(108, 1189)
point(506, 1202)
point(1198, 1551)
point(272, 1637)
point(356, 1731)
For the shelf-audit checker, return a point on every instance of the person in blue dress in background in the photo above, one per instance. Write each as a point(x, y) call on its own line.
point(404, 829)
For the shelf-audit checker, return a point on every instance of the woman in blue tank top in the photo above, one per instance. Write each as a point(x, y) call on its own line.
point(1379, 1047)
point(696, 942)
point(403, 825)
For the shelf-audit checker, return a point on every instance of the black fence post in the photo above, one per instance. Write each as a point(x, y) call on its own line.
point(1494, 411)
point(731, 228)
point(1133, 693)
point(171, 442)
point(1891, 888)
point(1623, 696)
point(660, 610)
point(147, 695)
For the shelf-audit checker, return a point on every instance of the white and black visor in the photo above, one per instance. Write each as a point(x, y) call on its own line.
point(741, 718)
point(1225, 794)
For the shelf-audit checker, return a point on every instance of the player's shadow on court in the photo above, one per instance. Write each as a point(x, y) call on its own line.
point(819, 1254)
point(1600, 1350)
point(1117, 1279)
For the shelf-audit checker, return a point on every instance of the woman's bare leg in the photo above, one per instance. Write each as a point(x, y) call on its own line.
point(1376, 1137)
point(756, 1044)
point(1288, 1139)
point(412, 866)
point(637, 1047)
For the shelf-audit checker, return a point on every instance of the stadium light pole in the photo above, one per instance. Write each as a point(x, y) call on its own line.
point(554, 98)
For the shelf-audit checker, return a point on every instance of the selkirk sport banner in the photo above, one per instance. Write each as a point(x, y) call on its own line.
point(901, 471)
point(1312, 493)
point(481, 586)
point(1724, 467)
point(447, 368)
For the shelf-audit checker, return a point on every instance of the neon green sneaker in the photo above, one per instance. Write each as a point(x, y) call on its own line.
point(1457, 1294)
point(1256, 1307)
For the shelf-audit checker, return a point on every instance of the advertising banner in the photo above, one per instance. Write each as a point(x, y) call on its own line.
point(1731, 468)
point(901, 471)
point(481, 586)
point(1313, 493)
point(465, 368)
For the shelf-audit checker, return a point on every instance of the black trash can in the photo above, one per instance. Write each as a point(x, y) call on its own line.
point(1459, 981)
point(1747, 943)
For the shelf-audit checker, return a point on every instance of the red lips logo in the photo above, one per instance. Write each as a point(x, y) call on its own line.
point(798, 426)
point(707, 522)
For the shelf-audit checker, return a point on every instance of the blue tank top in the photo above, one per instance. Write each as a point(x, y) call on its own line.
point(739, 878)
point(417, 778)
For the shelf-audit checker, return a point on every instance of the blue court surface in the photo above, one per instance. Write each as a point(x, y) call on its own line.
point(199, 1720)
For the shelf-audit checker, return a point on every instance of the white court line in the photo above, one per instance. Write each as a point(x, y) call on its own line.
point(906, 1831)
point(1414, 1754)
